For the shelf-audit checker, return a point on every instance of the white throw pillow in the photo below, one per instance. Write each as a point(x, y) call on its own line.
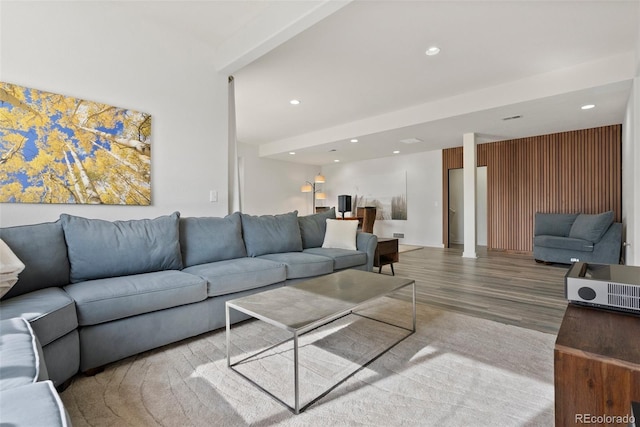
point(10, 267)
point(340, 234)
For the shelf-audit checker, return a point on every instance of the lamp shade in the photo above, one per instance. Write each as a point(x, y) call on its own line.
point(321, 196)
point(307, 188)
point(319, 179)
point(344, 203)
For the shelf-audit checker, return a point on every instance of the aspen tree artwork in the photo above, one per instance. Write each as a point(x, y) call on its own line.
point(58, 149)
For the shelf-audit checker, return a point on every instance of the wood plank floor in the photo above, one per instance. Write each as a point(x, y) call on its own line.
point(507, 288)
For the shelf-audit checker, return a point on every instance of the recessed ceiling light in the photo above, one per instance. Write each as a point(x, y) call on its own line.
point(354, 140)
point(588, 107)
point(396, 152)
point(292, 152)
point(336, 161)
point(433, 50)
point(294, 102)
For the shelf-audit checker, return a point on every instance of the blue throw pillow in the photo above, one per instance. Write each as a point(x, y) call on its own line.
point(210, 239)
point(99, 248)
point(313, 228)
point(271, 234)
point(591, 227)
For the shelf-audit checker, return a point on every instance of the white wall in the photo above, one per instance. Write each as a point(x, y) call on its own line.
point(631, 176)
point(99, 52)
point(424, 193)
point(273, 186)
point(631, 167)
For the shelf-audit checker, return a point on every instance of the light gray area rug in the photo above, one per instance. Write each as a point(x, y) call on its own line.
point(455, 370)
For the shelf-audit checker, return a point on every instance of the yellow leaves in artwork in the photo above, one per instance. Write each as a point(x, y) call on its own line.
point(58, 149)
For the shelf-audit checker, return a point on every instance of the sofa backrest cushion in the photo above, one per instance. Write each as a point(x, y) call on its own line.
point(209, 239)
point(99, 248)
point(42, 249)
point(271, 234)
point(313, 228)
point(553, 224)
point(591, 227)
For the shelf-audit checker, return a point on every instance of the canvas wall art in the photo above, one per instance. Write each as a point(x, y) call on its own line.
point(59, 149)
point(387, 192)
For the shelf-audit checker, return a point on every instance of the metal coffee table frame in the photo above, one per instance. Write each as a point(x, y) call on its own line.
point(302, 329)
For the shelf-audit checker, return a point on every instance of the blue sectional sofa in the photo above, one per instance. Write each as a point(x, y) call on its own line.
point(97, 291)
point(567, 238)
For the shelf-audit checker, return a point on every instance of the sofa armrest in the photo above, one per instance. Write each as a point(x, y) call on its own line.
point(367, 242)
point(607, 250)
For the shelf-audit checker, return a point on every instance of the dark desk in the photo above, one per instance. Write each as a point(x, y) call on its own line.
point(596, 365)
point(386, 253)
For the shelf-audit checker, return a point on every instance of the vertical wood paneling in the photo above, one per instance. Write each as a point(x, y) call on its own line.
point(578, 171)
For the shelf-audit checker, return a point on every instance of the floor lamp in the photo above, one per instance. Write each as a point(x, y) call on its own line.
point(311, 187)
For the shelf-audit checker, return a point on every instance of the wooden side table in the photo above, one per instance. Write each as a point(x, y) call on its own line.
point(597, 366)
point(386, 253)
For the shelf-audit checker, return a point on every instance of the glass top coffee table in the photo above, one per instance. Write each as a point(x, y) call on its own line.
point(306, 306)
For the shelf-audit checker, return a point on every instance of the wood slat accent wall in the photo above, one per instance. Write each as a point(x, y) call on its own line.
point(577, 171)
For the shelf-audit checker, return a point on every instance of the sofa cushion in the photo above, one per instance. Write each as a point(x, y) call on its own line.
point(19, 354)
point(34, 404)
point(569, 243)
point(271, 234)
point(313, 227)
point(342, 258)
point(591, 227)
point(204, 240)
point(99, 248)
point(553, 224)
point(300, 264)
point(51, 312)
point(235, 275)
point(104, 300)
point(43, 251)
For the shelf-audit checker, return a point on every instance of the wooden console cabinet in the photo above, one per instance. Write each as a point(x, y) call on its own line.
point(596, 366)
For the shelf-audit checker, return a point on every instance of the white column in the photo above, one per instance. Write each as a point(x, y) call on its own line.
point(469, 179)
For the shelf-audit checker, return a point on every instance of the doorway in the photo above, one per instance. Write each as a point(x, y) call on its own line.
point(456, 206)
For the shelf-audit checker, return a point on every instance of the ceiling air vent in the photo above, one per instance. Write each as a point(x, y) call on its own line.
point(519, 116)
point(411, 140)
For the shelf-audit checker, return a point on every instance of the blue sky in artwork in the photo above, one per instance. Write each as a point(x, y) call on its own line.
point(67, 125)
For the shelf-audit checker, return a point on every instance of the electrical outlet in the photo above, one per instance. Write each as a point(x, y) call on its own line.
point(213, 196)
point(399, 235)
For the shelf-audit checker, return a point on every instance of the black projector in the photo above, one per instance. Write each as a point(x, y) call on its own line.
point(613, 287)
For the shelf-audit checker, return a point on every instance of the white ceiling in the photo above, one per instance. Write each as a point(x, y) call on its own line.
point(361, 72)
